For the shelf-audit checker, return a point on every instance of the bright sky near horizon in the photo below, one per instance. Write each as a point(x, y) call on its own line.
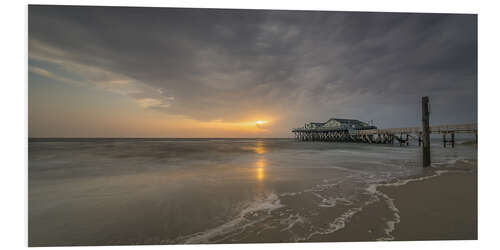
point(170, 72)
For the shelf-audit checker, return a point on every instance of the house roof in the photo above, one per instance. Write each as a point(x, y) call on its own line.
point(356, 124)
point(340, 120)
point(345, 120)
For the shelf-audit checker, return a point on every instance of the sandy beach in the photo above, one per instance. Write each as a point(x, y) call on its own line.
point(439, 206)
point(447, 211)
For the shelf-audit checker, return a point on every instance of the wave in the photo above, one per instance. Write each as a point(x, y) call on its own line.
point(453, 162)
point(247, 217)
point(338, 223)
point(292, 220)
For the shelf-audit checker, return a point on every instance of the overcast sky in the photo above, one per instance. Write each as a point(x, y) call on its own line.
point(166, 72)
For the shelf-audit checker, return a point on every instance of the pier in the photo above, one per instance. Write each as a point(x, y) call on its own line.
point(384, 136)
point(349, 130)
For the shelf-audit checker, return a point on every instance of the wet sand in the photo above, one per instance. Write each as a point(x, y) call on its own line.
point(443, 207)
point(446, 211)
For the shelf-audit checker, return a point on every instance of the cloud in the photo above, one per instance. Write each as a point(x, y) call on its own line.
point(96, 77)
point(41, 72)
point(210, 64)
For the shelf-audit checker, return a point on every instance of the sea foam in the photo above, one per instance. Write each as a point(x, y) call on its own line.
point(239, 223)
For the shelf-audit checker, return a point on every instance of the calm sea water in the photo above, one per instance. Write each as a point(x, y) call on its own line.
point(171, 191)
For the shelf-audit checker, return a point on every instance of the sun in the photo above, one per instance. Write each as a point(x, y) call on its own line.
point(260, 122)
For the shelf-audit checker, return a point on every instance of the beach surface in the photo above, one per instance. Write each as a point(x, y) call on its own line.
point(202, 191)
point(447, 211)
point(439, 206)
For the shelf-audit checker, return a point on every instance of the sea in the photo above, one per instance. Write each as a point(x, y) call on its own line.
point(129, 191)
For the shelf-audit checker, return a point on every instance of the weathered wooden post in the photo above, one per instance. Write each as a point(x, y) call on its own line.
point(426, 148)
point(452, 139)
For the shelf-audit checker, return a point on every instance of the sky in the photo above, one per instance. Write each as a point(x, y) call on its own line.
point(174, 72)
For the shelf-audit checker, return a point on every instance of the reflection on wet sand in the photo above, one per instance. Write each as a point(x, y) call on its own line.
point(261, 162)
point(260, 148)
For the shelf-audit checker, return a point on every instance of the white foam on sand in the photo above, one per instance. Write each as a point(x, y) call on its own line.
point(332, 202)
point(325, 185)
point(290, 193)
point(451, 162)
point(239, 223)
point(338, 223)
point(390, 224)
point(291, 220)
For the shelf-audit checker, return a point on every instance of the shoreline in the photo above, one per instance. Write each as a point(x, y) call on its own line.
point(446, 210)
point(438, 206)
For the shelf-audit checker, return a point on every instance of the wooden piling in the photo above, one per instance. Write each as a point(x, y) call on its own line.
point(426, 148)
point(453, 139)
point(444, 140)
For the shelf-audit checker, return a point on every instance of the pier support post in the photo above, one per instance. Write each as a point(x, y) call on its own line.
point(452, 139)
point(426, 148)
point(444, 140)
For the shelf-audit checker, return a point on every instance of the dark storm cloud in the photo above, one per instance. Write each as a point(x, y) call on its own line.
point(222, 64)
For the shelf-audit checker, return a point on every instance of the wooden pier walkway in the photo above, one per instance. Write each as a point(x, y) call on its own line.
point(457, 128)
point(386, 136)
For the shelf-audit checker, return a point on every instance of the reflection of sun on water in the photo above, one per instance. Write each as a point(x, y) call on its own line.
point(260, 174)
point(261, 164)
point(259, 148)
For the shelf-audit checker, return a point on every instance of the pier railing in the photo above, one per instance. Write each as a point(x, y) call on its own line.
point(456, 128)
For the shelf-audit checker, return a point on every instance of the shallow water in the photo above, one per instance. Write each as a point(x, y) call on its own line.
point(167, 191)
